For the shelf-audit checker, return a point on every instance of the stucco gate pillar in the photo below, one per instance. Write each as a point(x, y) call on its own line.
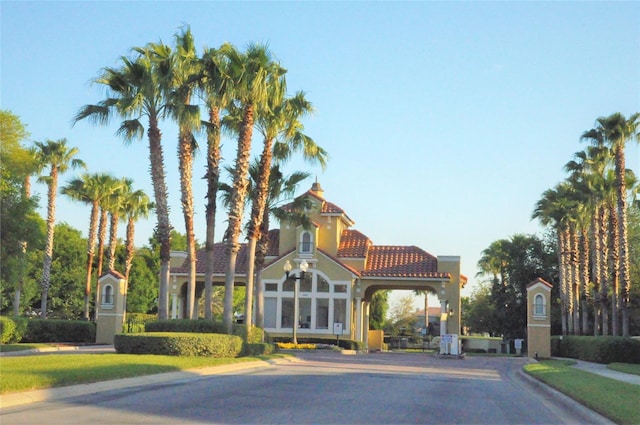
point(539, 318)
point(110, 307)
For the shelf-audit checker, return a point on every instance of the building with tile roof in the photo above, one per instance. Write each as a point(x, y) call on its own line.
point(344, 270)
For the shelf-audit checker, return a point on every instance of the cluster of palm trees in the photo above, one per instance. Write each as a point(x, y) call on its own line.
point(110, 199)
point(588, 212)
point(218, 89)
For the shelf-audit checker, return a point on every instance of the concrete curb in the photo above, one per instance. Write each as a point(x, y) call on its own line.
point(589, 416)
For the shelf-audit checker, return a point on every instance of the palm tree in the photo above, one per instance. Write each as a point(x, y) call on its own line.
point(89, 189)
point(110, 185)
point(614, 132)
point(183, 62)
point(115, 209)
point(136, 90)
point(280, 188)
point(216, 89)
point(279, 123)
point(58, 157)
point(135, 205)
point(252, 72)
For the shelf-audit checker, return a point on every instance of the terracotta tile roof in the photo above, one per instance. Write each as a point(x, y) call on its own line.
point(401, 261)
point(326, 206)
point(221, 258)
point(274, 243)
point(353, 244)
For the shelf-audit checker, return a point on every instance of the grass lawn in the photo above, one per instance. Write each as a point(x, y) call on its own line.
point(615, 400)
point(48, 371)
point(633, 369)
point(5, 348)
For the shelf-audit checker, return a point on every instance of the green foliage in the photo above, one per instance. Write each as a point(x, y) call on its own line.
point(509, 266)
point(480, 314)
point(143, 285)
point(599, 349)
point(179, 344)
point(609, 397)
point(258, 349)
point(204, 326)
point(7, 330)
point(378, 310)
point(51, 330)
point(68, 273)
point(347, 344)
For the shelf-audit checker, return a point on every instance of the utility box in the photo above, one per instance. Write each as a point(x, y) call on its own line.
point(110, 308)
point(539, 319)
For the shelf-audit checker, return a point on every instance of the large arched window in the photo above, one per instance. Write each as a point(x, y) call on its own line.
point(306, 242)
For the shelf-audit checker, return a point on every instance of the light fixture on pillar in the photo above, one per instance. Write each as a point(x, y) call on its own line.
point(287, 271)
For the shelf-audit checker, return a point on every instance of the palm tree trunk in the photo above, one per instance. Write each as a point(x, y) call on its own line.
point(48, 251)
point(185, 154)
point(163, 229)
point(257, 213)
point(102, 235)
point(584, 280)
point(615, 273)
point(604, 268)
point(130, 248)
point(568, 284)
point(261, 253)
point(575, 274)
point(236, 210)
point(625, 281)
point(562, 276)
point(91, 242)
point(113, 240)
point(595, 273)
point(213, 177)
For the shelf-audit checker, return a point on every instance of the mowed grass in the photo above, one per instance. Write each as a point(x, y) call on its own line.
point(48, 371)
point(618, 401)
point(633, 369)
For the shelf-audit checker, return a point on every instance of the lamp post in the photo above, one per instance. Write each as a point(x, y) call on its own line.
point(287, 270)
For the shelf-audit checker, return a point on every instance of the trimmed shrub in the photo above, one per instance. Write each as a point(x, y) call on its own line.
point(7, 330)
point(256, 335)
point(136, 322)
point(347, 344)
point(179, 344)
point(258, 349)
point(49, 330)
point(599, 349)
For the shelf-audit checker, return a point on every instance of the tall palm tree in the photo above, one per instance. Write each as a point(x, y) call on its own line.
point(552, 209)
point(58, 158)
point(89, 189)
point(115, 209)
point(280, 188)
point(136, 90)
point(216, 89)
point(279, 123)
point(110, 185)
point(135, 205)
point(614, 132)
point(252, 72)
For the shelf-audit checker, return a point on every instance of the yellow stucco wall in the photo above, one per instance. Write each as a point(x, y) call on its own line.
point(539, 326)
point(451, 291)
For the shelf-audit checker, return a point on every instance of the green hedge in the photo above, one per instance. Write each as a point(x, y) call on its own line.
point(599, 349)
point(179, 344)
point(347, 344)
point(49, 330)
point(12, 329)
point(258, 349)
point(256, 335)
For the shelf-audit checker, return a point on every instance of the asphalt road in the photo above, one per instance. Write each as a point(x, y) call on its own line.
point(326, 388)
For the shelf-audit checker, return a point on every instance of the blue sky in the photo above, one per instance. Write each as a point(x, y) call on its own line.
point(445, 121)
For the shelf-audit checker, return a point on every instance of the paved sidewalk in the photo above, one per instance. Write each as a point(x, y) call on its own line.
point(603, 370)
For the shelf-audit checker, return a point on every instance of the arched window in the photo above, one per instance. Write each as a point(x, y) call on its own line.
point(107, 295)
point(305, 243)
point(539, 305)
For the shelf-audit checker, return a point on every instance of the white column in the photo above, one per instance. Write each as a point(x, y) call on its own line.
point(174, 306)
point(443, 326)
point(359, 319)
point(365, 329)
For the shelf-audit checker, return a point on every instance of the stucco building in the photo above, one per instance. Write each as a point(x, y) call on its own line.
point(345, 268)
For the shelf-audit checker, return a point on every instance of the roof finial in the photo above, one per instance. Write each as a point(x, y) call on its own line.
point(317, 189)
